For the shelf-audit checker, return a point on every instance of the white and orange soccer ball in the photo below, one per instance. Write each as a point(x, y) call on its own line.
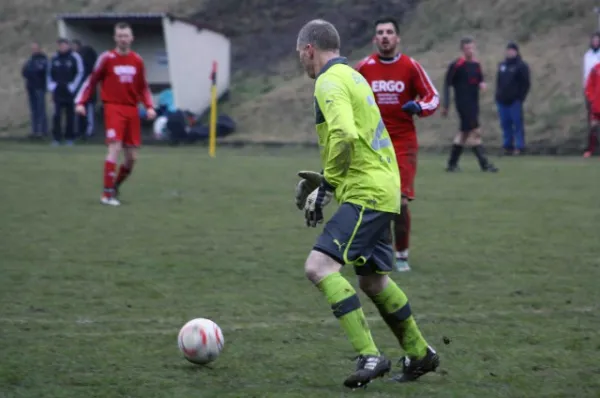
point(200, 341)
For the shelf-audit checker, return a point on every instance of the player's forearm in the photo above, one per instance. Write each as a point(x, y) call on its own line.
point(341, 147)
point(446, 97)
point(85, 92)
point(429, 105)
point(147, 97)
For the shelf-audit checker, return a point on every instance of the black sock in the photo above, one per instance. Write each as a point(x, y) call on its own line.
point(455, 155)
point(480, 154)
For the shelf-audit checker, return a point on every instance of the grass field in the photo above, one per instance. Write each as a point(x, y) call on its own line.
point(506, 266)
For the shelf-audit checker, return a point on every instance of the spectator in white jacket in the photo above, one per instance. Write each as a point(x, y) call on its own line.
point(590, 59)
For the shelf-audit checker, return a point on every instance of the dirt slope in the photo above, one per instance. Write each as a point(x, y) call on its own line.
point(553, 35)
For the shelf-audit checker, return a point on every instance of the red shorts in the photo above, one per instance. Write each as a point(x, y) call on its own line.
point(595, 118)
point(406, 155)
point(122, 124)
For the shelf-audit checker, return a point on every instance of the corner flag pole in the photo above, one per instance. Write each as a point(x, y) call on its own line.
point(212, 138)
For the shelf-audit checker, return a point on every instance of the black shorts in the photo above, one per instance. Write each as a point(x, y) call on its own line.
point(360, 237)
point(469, 119)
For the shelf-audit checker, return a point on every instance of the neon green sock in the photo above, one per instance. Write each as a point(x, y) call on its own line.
point(346, 307)
point(393, 306)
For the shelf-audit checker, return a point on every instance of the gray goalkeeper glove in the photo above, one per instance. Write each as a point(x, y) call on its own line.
point(309, 182)
point(316, 201)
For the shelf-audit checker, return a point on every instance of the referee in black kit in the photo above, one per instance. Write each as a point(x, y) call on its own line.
point(465, 75)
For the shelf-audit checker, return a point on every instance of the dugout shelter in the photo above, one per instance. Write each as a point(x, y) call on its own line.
point(178, 53)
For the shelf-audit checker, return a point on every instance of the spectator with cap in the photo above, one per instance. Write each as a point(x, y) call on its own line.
point(65, 75)
point(590, 59)
point(512, 87)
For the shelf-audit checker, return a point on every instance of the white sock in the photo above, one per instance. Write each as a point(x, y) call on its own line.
point(403, 254)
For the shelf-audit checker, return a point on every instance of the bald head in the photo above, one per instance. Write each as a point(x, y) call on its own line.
point(320, 34)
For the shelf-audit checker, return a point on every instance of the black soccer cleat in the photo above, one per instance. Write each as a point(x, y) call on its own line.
point(116, 191)
point(368, 368)
point(452, 169)
point(490, 168)
point(412, 369)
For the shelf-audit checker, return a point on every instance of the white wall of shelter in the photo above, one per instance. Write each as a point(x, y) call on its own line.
point(177, 53)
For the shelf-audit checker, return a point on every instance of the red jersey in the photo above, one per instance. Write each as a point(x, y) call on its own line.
point(592, 89)
point(395, 82)
point(123, 78)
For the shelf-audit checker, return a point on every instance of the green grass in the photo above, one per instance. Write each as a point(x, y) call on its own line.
point(507, 266)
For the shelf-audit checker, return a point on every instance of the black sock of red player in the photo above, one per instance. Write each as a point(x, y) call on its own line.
point(592, 139)
point(480, 154)
point(402, 229)
point(455, 155)
point(109, 177)
point(124, 172)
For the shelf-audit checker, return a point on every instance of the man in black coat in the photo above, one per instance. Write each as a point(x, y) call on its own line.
point(65, 75)
point(512, 87)
point(34, 72)
point(85, 124)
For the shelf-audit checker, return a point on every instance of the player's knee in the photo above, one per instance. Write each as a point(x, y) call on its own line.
point(475, 136)
point(318, 265)
point(474, 141)
point(131, 156)
point(114, 149)
point(459, 139)
point(373, 284)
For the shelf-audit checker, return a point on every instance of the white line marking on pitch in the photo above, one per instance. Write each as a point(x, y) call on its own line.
point(257, 325)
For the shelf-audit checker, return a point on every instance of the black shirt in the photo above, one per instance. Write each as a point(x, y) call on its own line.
point(465, 76)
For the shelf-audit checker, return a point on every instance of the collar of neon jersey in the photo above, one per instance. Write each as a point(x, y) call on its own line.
point(331, 62)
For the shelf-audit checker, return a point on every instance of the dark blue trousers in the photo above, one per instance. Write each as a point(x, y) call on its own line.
point(68, 109)
point(511, 121)
point(37, 109)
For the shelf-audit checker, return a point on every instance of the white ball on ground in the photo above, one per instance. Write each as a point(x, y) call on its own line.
point(200, 341)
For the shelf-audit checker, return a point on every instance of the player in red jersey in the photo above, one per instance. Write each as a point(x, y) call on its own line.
point(592, 95)
point(122, 74)
point(402, 89)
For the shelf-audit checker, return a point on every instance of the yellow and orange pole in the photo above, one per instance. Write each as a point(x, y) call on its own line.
point(212, 137)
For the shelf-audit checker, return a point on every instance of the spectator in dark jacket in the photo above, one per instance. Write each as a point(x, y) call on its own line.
point(34, 73)
point(65, 75)
point(85, 124)
point(512, 86)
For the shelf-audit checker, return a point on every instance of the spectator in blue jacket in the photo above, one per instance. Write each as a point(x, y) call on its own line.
point(512, 87)
point(64, 78)
point(34, 73)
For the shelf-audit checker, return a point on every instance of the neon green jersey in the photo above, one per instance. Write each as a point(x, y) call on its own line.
point(357, 154)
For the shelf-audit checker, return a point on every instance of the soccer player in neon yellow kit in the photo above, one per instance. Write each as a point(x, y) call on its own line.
point(360, 170)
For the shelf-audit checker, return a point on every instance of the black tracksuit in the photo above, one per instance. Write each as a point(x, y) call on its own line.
point(65, 75)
